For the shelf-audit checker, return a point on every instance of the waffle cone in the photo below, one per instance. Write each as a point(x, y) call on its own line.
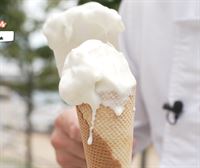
point(112, 136)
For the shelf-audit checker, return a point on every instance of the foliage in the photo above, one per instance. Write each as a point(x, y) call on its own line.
point(25, 56)
point(21, 51)
point(109, 3)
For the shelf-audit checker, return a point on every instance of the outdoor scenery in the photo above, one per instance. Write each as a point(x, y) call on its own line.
point(29, 101)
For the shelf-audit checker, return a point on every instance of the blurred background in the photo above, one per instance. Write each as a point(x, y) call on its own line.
point(29, 101)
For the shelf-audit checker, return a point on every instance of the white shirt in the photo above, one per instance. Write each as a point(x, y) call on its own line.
point(162, 45)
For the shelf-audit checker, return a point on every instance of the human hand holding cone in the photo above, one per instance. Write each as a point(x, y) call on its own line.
point(112, 135)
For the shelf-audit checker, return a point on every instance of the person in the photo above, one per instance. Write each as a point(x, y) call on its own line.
point(162, 45)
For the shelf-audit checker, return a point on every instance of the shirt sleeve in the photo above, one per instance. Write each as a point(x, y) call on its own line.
point(129, 45)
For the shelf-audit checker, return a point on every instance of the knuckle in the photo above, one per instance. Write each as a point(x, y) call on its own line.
point(60, 159)
point(56, 141)
point(84, 166)
point(73, 128)
point(58, 121)
point(64, 160)
point(74, 131)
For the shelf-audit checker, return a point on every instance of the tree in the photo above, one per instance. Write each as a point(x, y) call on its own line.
point(109, 3)
point(24, 55)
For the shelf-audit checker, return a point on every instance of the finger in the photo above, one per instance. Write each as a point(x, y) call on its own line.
point(61, 141)
point(67, 160)
point(68, 121)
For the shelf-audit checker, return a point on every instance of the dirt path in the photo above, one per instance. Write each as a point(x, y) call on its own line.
point(44, 156)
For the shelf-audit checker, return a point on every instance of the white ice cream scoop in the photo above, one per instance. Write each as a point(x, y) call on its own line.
point(70, 28)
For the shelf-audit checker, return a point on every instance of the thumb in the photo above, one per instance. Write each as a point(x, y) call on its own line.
point(74, 132)
point(72, 124)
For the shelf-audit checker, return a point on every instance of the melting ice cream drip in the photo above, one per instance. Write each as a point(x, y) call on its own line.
point(90, 138)
point(112, 100)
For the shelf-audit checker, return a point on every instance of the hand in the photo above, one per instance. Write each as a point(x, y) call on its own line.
point(67, 142)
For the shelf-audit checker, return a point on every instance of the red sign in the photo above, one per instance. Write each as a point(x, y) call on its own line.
point(2, 24)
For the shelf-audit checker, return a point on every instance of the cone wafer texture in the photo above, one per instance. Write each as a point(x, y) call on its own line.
point(112, 135)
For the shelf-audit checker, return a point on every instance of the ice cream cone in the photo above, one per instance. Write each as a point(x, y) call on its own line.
point(112, 135)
